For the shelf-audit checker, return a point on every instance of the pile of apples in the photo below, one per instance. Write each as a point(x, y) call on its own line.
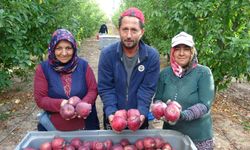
point(123, 119)
point(59, 143)
point(75, 107)
point(169, 111)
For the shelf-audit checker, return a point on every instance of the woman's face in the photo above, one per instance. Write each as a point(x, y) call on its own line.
point(182, 55)
point(64, 51)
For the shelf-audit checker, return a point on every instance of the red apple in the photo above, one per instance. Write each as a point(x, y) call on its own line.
point(84, 148)
point(159, 142)
point(83, 109)
point(45, 146)
point(134, 123)
point(76, 142)
point(175, 103)
point(108, 144)
point(166, 146)
point(133, 112)
point(124, 142)
point(74, 100)
point(172, 113)
point(69, 147)
point(93, 143)
point(67, 111)
point(122, 113)
point(130, 147)
point(158, 109)
point(149, 143)
point(58, 143)
point(87, 144)
point(118, 123)
point(139, 144)
point(117, 147)
point(99, 146)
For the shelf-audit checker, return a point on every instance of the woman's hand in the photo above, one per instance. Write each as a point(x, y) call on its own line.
point(64, 101)
point(172, 112)
point(72, 116)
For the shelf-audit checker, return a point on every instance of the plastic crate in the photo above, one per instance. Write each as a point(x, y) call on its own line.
point(177, 140)
point(105, 40)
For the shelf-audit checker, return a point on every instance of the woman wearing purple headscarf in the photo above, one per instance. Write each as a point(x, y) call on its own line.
point(61, 77)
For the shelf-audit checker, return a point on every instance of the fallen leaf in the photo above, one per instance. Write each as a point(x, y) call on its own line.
point(17, 101)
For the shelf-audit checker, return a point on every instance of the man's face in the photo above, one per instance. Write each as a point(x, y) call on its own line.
point(130, 32)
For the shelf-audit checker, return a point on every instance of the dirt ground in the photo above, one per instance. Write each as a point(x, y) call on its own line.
point(231, 109)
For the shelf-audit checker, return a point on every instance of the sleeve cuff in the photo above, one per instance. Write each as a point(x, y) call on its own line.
point(110, 110)
point(144, 111)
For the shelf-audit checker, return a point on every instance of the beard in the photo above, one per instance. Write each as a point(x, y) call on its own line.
point(129, 44)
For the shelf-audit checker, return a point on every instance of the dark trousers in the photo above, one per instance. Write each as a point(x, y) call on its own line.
point(40, 127)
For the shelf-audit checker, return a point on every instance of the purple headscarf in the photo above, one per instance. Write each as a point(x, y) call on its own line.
point(58, 35)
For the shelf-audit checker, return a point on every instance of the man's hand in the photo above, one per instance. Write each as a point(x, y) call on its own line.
point(142, 118)
point(110, 118)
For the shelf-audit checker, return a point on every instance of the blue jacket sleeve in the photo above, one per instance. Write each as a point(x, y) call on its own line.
point(106, 86)
point(147, 88)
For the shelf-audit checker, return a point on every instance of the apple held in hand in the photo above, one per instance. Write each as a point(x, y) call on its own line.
point(134, 123)
point(122, 113)
point(172, 113)
point(67, 111)
point(158, 109)
point(74, 100)
point(174, 103)
point(83, 109)
point(133, 112)
point(118, 123)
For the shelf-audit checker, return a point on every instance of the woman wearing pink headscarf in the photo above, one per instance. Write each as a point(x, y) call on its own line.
point(192, 86)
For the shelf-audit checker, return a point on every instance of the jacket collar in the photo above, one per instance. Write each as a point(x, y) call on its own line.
point(143, 51)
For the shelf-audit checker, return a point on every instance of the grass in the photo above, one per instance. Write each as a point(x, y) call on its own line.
point(246, 125)
point(4, 116)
